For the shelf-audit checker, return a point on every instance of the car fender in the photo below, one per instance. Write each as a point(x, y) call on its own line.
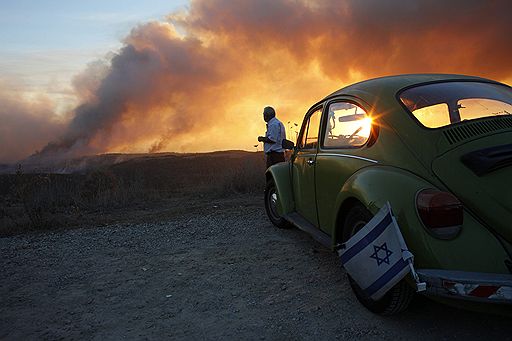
point(376, 185)
point(281, 175)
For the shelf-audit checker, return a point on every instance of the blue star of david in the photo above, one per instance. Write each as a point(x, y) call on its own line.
point(376, 254)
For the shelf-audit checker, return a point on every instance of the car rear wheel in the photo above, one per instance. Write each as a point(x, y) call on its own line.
point(395, 300)
point(271, 200)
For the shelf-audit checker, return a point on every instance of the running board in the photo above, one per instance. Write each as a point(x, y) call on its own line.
point(321, 237)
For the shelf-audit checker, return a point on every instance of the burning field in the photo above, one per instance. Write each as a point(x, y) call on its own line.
point(104, 189)
point(197, 80)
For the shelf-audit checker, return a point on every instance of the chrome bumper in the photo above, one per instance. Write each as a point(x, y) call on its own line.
point(472, 286)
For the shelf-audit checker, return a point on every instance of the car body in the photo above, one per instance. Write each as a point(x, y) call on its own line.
point(423, 146)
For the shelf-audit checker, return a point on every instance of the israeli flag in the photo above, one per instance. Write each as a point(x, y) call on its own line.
point(376, 257)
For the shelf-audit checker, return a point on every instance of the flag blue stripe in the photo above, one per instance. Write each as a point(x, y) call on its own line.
point(370, 237)
point(386, 277)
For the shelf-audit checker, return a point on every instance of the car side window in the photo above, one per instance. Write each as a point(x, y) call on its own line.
point(348, 126)
point(309, 136)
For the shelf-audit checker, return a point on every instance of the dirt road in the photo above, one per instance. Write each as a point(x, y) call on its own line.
point(220, 272)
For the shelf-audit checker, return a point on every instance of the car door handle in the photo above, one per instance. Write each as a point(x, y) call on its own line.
point(311, 162)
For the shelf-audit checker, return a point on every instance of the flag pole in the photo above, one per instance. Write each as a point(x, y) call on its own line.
point(407, 255)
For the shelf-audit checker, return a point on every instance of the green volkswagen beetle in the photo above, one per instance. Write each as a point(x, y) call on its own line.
point(438, 149)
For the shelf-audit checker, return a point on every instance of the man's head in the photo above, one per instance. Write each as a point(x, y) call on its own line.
point(268, 113)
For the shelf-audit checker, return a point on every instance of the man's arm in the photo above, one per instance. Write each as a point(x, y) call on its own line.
point(265, 139)
point(272, 134)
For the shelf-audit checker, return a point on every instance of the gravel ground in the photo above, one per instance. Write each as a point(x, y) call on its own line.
point(220, 272)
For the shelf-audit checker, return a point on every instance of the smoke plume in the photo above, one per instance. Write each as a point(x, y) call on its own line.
point(25, 124)
point(198, 80)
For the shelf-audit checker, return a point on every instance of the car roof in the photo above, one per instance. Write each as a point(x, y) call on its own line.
point(390, 85)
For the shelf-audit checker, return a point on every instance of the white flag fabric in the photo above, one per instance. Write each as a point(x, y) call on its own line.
point(376, 257)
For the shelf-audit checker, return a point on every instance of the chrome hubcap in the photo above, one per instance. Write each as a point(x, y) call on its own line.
point(273, 199)
point(273, 204)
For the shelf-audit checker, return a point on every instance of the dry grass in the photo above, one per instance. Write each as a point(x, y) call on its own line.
point(45, 201)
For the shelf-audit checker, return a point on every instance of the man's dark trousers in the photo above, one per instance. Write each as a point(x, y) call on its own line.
point(274, 157)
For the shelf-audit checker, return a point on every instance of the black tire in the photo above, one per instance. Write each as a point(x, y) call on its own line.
point(271, 205)
point(400, 296)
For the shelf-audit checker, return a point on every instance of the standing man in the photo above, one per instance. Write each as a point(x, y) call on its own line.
point(273, 138)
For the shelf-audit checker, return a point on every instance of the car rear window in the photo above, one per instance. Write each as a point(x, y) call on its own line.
point(441, 104)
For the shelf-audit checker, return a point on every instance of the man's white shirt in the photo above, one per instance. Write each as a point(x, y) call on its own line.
point(276, 133)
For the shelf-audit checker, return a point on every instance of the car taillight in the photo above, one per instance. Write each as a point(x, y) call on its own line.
point(440, 212)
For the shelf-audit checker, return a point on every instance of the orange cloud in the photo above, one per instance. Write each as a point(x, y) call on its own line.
point(199, 81)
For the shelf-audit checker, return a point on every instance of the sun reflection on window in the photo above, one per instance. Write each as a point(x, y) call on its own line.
point(433, 116)
point(441, 104)
point(348, 126)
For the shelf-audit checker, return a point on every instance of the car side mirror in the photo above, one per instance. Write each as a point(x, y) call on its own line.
point(287, 144)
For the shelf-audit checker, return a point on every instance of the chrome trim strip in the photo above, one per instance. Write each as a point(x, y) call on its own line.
point(306, 155)
point(349, 156)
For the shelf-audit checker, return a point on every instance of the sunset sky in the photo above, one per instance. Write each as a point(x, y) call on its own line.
point(89, 77)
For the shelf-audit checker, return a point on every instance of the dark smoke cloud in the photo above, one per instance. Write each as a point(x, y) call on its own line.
point(151, 81)
point(373, 37)
point(199, 80)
